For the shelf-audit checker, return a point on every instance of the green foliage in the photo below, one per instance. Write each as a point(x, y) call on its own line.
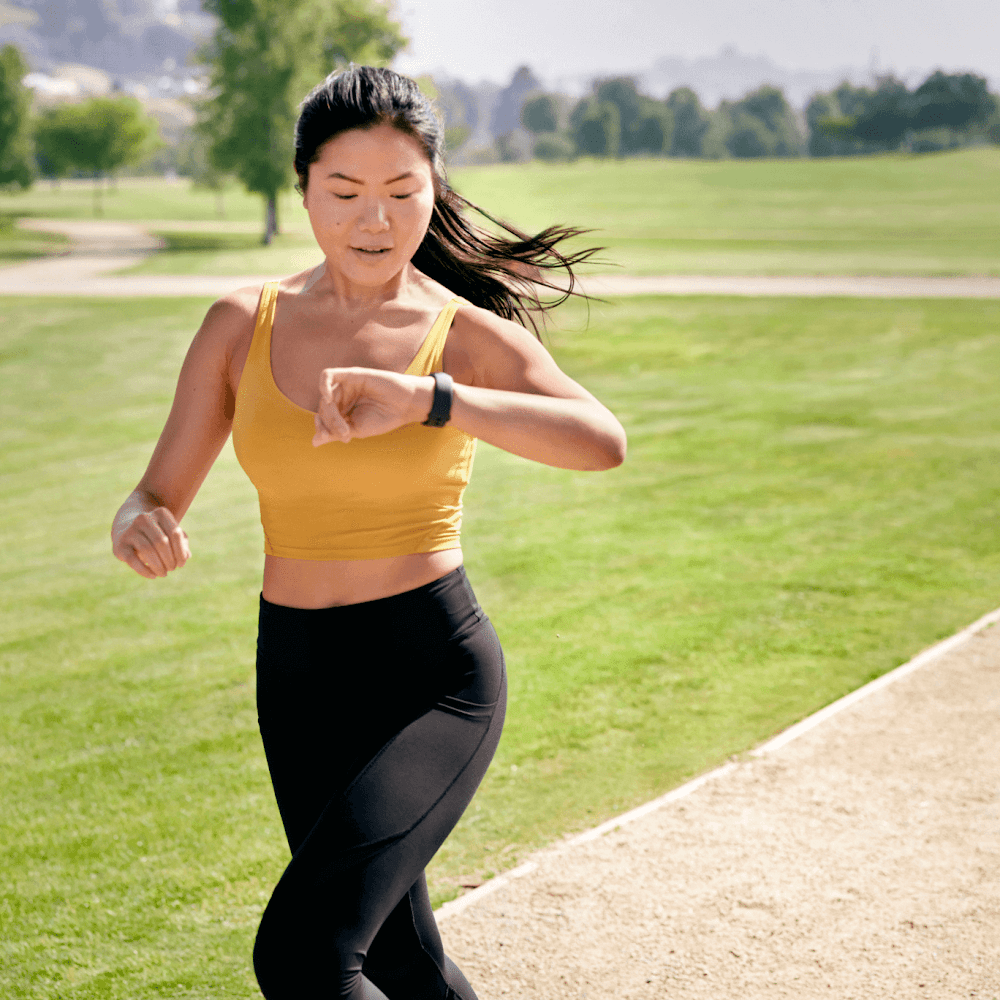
point(951, 101)
point(945, 111)
point(887, 116)
point(265, 56)
point(95, 137)
point(598, 132)
point(653, 131)
point(763, 125)
point(554, 148)
point(456, 136)
point(15, 109)
point(622, 93)
point(750, 137)
point(690, 122)
point(720, 125)
point(933, 140)
point(644, 125)
point(540, 114)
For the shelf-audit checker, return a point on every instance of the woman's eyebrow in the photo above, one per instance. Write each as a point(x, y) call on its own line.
point(337, 174)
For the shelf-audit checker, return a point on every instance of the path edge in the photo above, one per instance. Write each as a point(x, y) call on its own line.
point(946, 645)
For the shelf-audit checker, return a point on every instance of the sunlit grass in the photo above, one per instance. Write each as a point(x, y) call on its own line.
point(809, 499)
point(933, 214)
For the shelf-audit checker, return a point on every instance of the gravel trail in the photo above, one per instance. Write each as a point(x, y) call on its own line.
point(859, 861)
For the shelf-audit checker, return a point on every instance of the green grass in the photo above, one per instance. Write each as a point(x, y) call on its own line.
point(230, 254)
point(933, 214)
point(151, 199)
point(18, 245)
point(809, 499)
point(929, 214)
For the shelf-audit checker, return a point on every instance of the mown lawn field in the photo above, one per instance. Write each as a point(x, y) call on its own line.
point(809, 499)
point(932, 214)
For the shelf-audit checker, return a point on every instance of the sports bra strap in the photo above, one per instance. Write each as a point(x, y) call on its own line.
point(429, 358)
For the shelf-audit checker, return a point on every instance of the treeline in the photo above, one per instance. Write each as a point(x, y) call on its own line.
point(617, 120)
point(93, 138)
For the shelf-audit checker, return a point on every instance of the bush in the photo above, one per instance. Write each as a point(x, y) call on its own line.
point(750, 138)
point(932, 140)
point(554, 148)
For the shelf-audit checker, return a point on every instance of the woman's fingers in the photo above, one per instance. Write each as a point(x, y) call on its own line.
point(154, 544)
point(363, 402)
point(134, 560)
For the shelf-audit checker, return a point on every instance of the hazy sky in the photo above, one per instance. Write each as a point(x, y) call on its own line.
point(488, 39)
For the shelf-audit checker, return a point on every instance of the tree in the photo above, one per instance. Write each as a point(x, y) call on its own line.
point(831, 117)
point(644, 125)
point(95, 137)
point(780, 135)
point(622, 93)
point(15, 108)
point(265, 56)
point(690, 122)
point(193, 161)
point(653, 130)
point(597, 129)
point(554, 148)
point(951, 100)
point(750, 137)
point(886, 116)
point(540, 114)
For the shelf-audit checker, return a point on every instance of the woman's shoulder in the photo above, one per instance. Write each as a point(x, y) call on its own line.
point(488, 350)
point(234, 310)
point(482, 328)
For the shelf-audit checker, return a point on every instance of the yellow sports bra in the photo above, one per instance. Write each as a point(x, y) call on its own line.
point(390, 495)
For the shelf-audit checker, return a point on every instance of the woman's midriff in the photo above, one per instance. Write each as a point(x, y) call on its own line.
point(315, 583)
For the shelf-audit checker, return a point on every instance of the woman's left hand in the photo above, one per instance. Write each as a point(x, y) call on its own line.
point(364, 402)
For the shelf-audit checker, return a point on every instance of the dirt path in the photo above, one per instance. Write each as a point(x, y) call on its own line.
point(100, 247)
point(858, 861)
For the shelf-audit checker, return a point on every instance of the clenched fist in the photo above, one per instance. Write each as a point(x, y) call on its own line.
point(153, 543)
point(364, 402)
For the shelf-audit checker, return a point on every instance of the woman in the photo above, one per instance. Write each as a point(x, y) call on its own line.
point(380, 682)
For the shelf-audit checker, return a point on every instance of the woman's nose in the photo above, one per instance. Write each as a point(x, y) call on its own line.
point(374, 218)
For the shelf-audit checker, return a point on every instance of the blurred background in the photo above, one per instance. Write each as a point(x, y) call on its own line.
point(516, 81)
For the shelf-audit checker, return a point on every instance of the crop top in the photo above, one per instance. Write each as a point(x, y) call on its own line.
point(389, 495)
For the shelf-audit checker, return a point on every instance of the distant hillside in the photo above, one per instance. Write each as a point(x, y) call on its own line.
point(125, 38)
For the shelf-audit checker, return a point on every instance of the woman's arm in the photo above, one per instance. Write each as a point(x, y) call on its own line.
point(146, 533)
point(508, 392)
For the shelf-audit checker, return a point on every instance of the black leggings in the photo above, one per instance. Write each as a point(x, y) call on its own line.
point(379, 721)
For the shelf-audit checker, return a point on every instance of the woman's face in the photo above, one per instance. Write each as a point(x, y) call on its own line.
point(370, 195)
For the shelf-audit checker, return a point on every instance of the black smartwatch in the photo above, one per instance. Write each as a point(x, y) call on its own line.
point(441, 405)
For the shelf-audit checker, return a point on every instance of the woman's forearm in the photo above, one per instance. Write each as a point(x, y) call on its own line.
point(567, 433)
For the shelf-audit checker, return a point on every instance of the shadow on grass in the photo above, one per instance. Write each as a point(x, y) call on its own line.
point(26, 244)
point(185, 242)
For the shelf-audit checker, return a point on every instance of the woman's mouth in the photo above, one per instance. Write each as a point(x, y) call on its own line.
point(373, 251)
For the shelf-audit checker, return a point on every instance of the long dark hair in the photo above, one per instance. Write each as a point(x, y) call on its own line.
point(497, 272)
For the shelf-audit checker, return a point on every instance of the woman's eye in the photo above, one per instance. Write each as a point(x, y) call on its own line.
point(345, 197)
point(401, 196)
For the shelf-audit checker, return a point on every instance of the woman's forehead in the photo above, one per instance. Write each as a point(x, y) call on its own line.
point(380, 150)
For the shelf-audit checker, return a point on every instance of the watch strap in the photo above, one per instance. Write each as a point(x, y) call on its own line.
point(441, 404)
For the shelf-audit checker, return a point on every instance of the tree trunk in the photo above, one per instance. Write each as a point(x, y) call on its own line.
point(271, 223)
point(220, 208)
point(98, 204)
